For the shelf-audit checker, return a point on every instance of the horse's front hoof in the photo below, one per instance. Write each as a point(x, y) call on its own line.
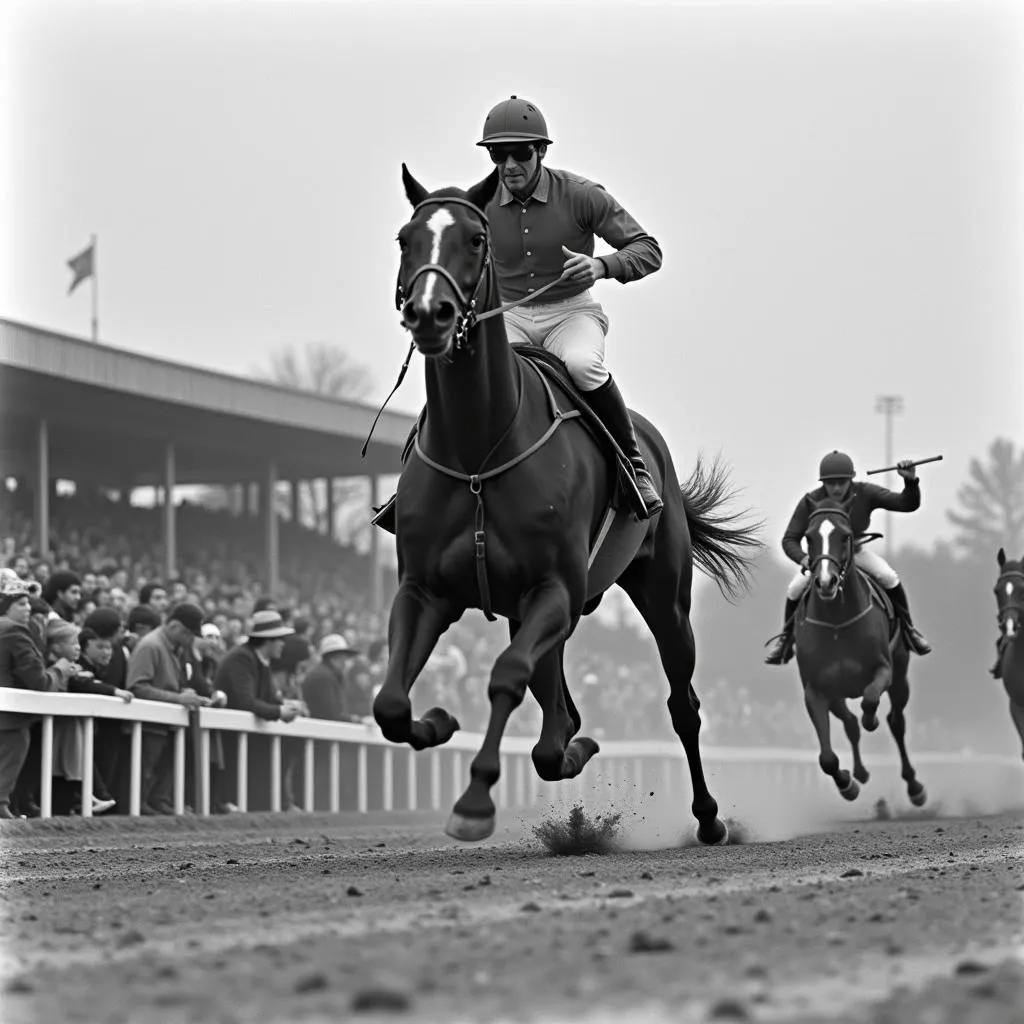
point(861, 774)
point(716, 834)
point(469, 830)
point(869, 721)
point(850, 791)
point(444, 725)
point(918, 796)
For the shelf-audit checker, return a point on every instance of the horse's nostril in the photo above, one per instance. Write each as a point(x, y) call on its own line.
point(445, 313)
point(409, 315)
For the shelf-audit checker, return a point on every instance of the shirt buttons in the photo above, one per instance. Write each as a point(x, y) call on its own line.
point(533, 275)
point(526, 231)
point(528, 253)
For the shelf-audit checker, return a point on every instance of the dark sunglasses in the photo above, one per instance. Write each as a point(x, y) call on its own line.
point(521, 153)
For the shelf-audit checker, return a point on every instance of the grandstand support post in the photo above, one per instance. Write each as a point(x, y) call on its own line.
point(268, 493)
point(43, 490)
point(376, 577)
point(170, 527)
point(331, 510)
point(293, 497)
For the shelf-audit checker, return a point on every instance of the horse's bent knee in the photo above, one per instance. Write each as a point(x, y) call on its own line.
point(829, 762)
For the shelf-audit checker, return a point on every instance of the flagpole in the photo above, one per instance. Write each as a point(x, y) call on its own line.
point(95, 295)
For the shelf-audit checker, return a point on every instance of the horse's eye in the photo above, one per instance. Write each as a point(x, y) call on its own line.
point(479, 240)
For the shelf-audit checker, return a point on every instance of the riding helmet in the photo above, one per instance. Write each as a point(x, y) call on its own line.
point(836, 466)
point(514, 120)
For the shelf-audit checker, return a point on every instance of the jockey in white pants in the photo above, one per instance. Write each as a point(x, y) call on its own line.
point(543, 225)
point(861, 499)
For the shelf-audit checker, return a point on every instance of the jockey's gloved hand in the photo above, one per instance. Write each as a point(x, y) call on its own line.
point(906, 469)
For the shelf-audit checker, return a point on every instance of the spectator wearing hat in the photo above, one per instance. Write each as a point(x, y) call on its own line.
point(21, 666)
point(244, 675)
point(156, 671)
point(325, 687)
point(326, 690)
point(63, 593)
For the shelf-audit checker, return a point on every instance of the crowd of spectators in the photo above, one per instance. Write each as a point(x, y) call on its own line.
point(101, 618)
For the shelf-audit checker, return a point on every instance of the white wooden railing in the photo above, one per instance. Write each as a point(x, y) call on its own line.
point(646, 765)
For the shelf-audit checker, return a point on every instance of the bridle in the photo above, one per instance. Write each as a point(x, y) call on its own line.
point(468, 317)
point(844, 566)
point(1011, 606)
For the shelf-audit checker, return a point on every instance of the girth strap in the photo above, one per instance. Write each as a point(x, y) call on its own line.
point(476, 480)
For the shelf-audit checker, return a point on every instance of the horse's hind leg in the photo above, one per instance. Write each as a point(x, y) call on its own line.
point(849, 719)
point(418, 618)
point(665, 605)
point(899, 696)
point(544, 625)
point(817, 708)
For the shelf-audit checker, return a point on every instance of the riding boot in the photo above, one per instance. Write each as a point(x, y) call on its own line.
point(996, 670)
point(916, 640)
point(782, 651)
point(608, 403)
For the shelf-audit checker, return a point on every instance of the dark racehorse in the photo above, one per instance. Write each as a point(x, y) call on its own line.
point(498, 508)
point(848, 645)
point(1010, 599)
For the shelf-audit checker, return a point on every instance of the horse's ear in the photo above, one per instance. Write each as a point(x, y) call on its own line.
point(1001, 558)
point(483, 192)
point(414, 191)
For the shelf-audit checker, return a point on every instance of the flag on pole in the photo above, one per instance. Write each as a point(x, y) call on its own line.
point(81, 266)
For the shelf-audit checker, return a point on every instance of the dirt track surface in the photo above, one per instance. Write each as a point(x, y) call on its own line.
point(296, 918)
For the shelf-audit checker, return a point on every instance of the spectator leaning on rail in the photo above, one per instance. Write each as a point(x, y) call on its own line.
point(326, 686)
point(244, 675)
point(22, 667)
point(156, 671)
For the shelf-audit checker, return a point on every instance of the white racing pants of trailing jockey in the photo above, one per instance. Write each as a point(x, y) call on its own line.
point(874, 565)
point(572, 329)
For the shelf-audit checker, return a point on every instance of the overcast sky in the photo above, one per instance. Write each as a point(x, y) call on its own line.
point(837, 188)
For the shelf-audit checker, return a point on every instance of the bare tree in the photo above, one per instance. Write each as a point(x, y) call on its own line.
point(320, 367)
point(992, 503)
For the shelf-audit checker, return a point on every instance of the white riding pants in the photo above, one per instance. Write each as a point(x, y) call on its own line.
point(873, 564)
point(572, 329)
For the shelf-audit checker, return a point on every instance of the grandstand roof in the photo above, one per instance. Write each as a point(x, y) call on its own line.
point(110, 411)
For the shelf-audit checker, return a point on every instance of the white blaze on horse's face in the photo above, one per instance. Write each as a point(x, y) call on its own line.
point(825, 566)
point(438, 221)
point(1009, 589)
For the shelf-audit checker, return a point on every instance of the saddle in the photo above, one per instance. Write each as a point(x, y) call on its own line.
point(878, 596)
point(554, 370)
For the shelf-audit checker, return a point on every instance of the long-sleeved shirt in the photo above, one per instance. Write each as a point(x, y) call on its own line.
point(155, 668)
point(564, 209)
point(22, 666)
point(863, 499)
point(245, 677)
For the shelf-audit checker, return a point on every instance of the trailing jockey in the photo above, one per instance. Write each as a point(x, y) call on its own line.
point(860, 500)
point(543, 223)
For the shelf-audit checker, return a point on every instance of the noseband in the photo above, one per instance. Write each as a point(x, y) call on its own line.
point(843, 567)
point(467, 306)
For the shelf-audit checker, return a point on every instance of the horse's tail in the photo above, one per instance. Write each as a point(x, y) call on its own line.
point(723, 547)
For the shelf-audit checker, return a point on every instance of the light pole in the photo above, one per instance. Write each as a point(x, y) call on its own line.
point(889, 406)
